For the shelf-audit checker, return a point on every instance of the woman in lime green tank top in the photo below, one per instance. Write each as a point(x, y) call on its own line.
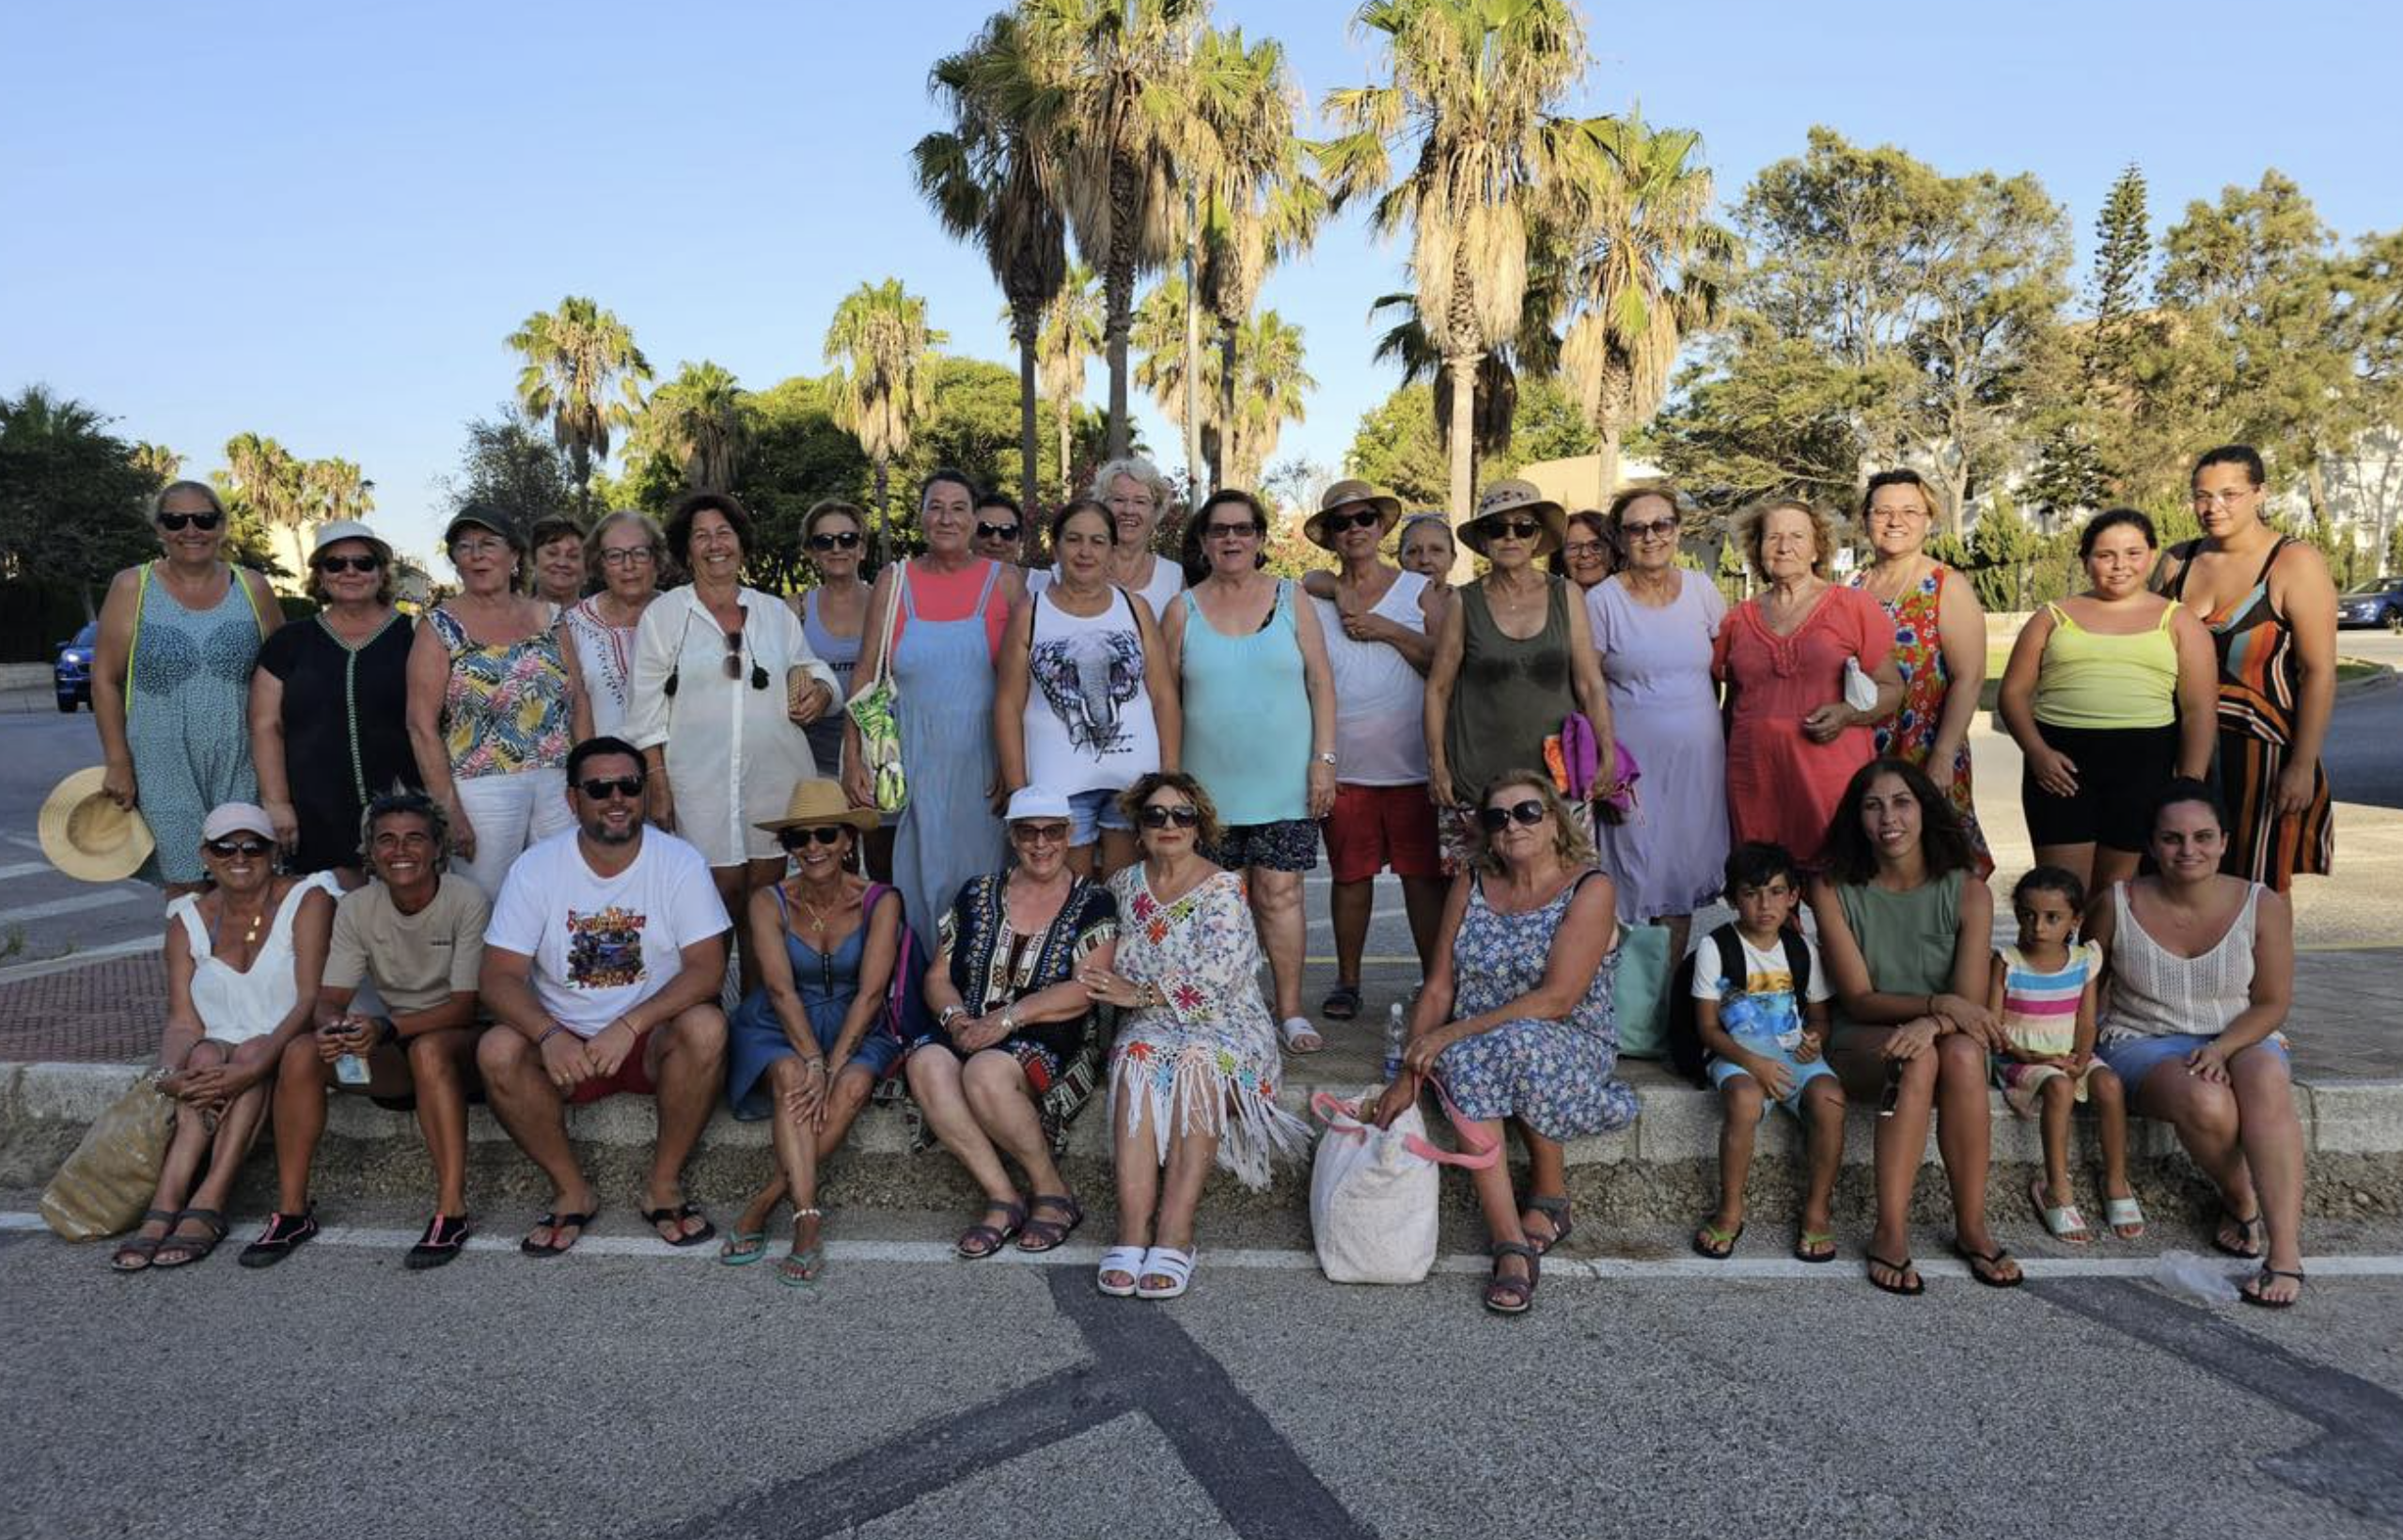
point(2109, 694)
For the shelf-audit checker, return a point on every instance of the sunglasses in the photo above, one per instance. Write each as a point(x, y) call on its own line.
point(600, 789)
point(196, 521)
point(1039, 834)
point(1184, 815)
point(1230, 531)
point(824, 834)
point(1511, 528)
point(996, 531)
point(1645, 531)
point(227, 849)
point(1529, 812)
point(843, 542)
point(1361, 520)
point(348, 563)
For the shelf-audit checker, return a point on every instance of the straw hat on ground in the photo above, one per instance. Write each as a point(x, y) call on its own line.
point(87, 835)
point(1346, 495)
point(816, 801)
point(1516, 496)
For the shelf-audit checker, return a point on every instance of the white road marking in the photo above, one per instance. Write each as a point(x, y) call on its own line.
point(1670, 1270)
point(107, 899)
point(83, 957)
point(24, 869)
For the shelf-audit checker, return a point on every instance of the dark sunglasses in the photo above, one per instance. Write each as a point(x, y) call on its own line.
point(1645, 531)
point(600, 789)
point(1230, 531)
point(1039, 834)
point(197, 520)
point(348, 564)
point(824, 834)
point(225, 849)
point(1511, 528)
point(996, 531)
point(1184, 815)
point(1529, 812)
point(1361, 520)
point(845, 541)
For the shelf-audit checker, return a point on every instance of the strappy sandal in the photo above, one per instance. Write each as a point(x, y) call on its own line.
point(1121, 1259)
point(285, 1233)
point(1716, 1244)
point(187, 1250)
point(2250, 1291)
point(2250, 1230)
point(1169, 1263)
point(1342, 1003)
point(981, 1240)
point(2064, 1224)
point(1910, 1286)
point(798, 1269)
point(1562, 1220)
point(135, 1253)
point(445, 1236)
point(1513, 1296)
point(1044, 1235)
point(554, 1223)
point(677, 1216)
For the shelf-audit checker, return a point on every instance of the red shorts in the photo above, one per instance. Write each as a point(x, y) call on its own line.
point(1371, 827)
point(631, 1077)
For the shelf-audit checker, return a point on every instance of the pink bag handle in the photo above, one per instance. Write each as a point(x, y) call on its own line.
point(1342, 1118)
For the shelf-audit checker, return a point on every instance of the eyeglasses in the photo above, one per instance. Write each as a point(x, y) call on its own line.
point(1529, 812)
point(1184, 815)
point(2224, 499)
point(844, 540)
point(348, 564)
point(1511, 528)
point(1580, 550)
point(1039, 834)
point(996, 531)
point(628, 556)
point(1648, 532)
point(172, 522)
point(824, 834)
point(1229, 531)
point(227, 849)
point(600, 789)
point(1361, 520)
point(484, 546)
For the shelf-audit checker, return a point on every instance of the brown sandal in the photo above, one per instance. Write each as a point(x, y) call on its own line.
point(981, 1240)
point(1513, 1296)
point(137, 1254)
point(1044, 1235)
point(1557, 1213)
point(187, 1250)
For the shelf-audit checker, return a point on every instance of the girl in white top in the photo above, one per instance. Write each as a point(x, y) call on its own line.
point(1082, 705)
point(624, 551)
point(244, 959)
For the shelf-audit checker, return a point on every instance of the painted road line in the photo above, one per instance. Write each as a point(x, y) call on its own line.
point(106, 899)
point(24, 869)
point(1289, 1260)
point(83, 957)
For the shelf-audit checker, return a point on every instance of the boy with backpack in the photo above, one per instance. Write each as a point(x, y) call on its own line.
point(1760, 1019)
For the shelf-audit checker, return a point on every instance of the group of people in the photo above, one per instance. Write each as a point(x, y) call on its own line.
point(1111, 773)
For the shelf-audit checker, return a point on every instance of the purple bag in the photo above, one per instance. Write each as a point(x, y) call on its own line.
point(1575, 759)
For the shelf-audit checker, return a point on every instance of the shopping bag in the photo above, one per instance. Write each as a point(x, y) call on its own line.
point(873, 707)
point(106, 1184)
point(1373, 1192)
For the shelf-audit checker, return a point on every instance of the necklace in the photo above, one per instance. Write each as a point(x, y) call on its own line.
point(817, 915)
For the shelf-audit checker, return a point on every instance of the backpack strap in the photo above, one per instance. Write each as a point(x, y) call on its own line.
point(1798, 963)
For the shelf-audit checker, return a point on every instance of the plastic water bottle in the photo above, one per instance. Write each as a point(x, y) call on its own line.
point(2195, 1278)
point(1396, 1033)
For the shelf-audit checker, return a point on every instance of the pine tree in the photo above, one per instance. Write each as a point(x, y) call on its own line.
point(2123, 255)
point(2077, 470)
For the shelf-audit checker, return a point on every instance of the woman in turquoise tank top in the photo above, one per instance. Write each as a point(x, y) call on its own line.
point(1906, 931)
point(2109, 694)
point(1259, 707)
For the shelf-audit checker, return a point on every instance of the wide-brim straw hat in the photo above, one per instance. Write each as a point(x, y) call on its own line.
point(816, 801)
point(87, 835)
point(1517, 496)
point(1343, 495)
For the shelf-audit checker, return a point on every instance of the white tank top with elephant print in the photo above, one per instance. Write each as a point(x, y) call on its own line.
point(1088, 716)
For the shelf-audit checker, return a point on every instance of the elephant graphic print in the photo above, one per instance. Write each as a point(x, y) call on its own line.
point(1089, 718)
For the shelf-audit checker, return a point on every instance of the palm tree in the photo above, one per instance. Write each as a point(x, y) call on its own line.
point(1642, 248)
point(1534, 349)
point(1241, 412)
point(271, 483)
point(696, 420)
point(879, 344)
point(994, 178)
point(1072, 333)
point(1110, 78)
point(574, 356)
point(1470, 95)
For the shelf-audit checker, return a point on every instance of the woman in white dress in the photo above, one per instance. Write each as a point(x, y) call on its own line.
point(625, 552)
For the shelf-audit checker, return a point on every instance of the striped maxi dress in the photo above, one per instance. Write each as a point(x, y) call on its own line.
point(2260, 684)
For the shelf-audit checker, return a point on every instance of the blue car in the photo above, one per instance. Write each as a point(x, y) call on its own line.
point(72, 672)
point(2379, 603)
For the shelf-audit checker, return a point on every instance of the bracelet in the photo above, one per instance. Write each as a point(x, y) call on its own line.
point(818, 1065)
point(556, 1028)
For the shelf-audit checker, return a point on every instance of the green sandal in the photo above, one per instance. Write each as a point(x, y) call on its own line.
point(741, 1248)
point(799, 1269)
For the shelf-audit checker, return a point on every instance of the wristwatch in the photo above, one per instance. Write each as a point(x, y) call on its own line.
point(949, 1015)
point(1326, 759)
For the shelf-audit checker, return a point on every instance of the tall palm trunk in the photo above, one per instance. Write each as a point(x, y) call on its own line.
point(1462, 368)
point(884, 512)
point(1226, 396)
point(1606, 457)
point(1194, 468)
point(1026, 321)
point(1118, 298)
point(1062, 411)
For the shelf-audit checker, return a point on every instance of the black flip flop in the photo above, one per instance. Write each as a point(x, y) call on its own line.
point(1702, 1248)
point(677, 1217)
point(2250, 1228)
point(554, 1223)
point(2254, 1295)
point(1980, 1261)
point(1911, 1290)
point(1342, 1003)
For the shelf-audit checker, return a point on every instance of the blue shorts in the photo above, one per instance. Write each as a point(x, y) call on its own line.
point(2134, 1058)
point(1723, 1069)
point(1090, 812)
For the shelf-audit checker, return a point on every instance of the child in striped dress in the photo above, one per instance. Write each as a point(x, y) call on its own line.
point(2043, 992)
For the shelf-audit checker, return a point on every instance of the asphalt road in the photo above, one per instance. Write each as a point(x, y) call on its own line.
point(653, 1394)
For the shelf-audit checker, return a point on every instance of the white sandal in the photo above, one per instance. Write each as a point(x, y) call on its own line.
point(1169, 1263)
point(1300, 1036)
point(1119, 1259)
point(2125, 1213)
point(2064, 1224)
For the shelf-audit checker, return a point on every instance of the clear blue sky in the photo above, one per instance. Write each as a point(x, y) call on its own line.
point(318, 221)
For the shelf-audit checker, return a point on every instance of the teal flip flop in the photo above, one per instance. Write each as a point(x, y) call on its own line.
point(734, 1253)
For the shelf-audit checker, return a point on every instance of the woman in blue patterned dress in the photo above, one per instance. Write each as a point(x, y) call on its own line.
point(1516, 1019)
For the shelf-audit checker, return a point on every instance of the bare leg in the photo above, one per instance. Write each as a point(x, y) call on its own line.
point(442, 1065)
point(1900, 1140)
point(1277, 910)
point(935, 1083)
point(1135, 1163)
point(1740, 1099)
point(2205, 1116)
point(2112, 866)
point(1547, 1177)
point(688, 1065)
point(186, 1146)
point(2109, 1100)
point(2077, 861)
point(1823, 1132)
point(1422, 902)
point(1349, 904)
point(531, 1108)
point(1497, 1201)
point(1080, 860)
point(1965, 1138)
point(1192, 1150)
point(2059, 1095)
point(2271, 1137)
point(998, 1094)
point(1118, 852)
point(301, 1080)
point(1680, 931)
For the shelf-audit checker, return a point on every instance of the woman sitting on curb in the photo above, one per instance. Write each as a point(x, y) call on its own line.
point(2199, 970)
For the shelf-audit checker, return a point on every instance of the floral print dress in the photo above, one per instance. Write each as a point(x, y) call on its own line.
point(1208, 1057)
point(1559, 1077)
point(1910, 732)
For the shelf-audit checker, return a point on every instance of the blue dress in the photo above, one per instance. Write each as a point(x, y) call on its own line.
point(949, 831)
point(187, 717)
point(827, 982)
point(1558, 1078)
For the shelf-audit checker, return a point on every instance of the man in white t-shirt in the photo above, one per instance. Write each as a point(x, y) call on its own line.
point(602, 965)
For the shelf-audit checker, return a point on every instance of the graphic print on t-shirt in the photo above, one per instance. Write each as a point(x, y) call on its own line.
point(605, 949)
point(1086, 677)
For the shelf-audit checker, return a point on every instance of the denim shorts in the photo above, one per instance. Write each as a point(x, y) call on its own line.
point(2133, 1058)
point(1090, 812)
point(1723, 1069)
